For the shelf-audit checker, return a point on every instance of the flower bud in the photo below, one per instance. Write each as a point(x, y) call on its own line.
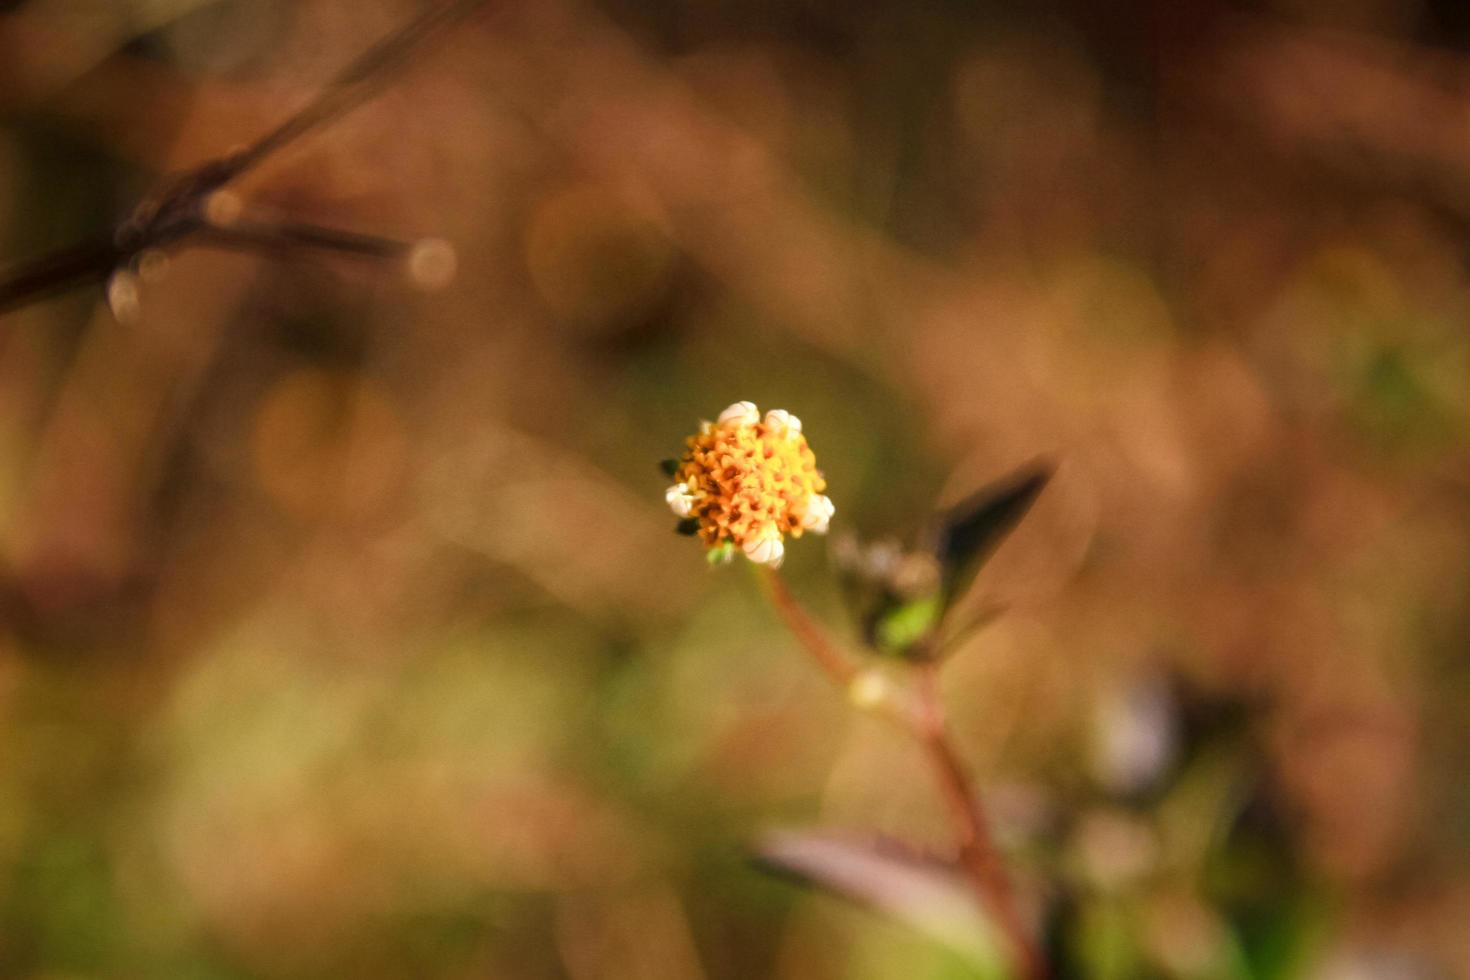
point(679, 499)
point(765, 550)
point(780, 420)
point(818, 513)
point(740, 413)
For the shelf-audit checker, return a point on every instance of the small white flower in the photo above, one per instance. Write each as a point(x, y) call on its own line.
point(740, 413)
point(765, 550)
point(780, 420)
point(680, 499)
point(818, 513)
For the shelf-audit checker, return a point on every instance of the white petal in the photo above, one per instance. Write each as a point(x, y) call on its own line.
point(740, 413)
point(765, 550)
point(679, 499)
point(780, 420)
point(818, 513)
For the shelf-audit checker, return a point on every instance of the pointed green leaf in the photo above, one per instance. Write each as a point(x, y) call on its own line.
point(971, 531)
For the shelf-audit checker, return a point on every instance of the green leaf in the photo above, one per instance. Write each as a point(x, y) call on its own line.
point(720, 554)
point(970, 532)
point(688, 527)
point(908, 624)
point(668, 467)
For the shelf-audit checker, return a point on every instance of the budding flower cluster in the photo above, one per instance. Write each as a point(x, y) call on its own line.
point(749, 481)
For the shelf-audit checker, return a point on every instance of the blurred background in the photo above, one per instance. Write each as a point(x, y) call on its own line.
point(342, 628)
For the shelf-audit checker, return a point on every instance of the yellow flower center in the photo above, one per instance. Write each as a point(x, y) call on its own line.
point(749, 481)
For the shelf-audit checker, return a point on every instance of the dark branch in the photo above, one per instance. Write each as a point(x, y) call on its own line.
point(353, 85)
point(286, 236)
point(88, 262)
point(175, 211)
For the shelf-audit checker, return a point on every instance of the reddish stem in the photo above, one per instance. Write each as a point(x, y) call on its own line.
point(977, 854)
point(838, 664)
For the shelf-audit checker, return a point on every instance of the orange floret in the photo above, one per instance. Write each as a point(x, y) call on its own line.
point(747, 480)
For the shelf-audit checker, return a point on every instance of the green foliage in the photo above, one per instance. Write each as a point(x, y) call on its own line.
point(904, 601)
point(904, 627)
point(970, 532)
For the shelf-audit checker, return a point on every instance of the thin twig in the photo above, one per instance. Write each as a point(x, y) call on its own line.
point(58, 271)
point(174, 211)
point(287, 236)
point(978, 856)
point(352, 85)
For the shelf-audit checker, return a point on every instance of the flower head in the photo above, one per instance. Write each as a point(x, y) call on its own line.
point(746, 482)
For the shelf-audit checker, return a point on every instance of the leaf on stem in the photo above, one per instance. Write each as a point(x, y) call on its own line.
point(904, 626)
point(892, 593)
point(922, 892)
point(971, 531)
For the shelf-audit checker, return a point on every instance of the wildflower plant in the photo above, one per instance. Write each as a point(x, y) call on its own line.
point(746, 482)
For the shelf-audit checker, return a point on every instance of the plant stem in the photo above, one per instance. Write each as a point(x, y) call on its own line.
point(978, 857)
point(841, 666)
point(977, 851)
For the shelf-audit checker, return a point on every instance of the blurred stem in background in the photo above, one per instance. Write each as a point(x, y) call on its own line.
point(923, 719)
